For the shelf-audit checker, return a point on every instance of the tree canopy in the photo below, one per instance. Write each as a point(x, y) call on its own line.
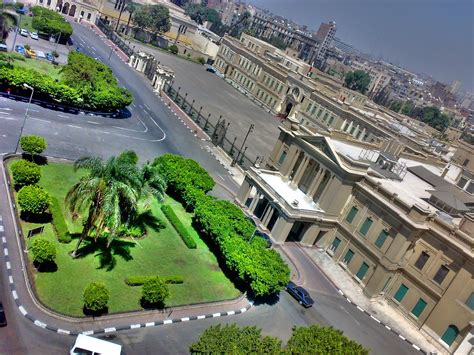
point(357, 80)
point(154, 18)
point(201, 14)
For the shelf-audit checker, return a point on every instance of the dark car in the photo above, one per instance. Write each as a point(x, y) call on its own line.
point(265, 237)
point(211, 69)
point(3, 319)
point(50, 57)
point(300, 294)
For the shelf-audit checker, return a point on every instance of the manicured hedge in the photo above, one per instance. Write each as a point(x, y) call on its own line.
point(43, 251)
point(33, 200)
point(25, 173)
point(182, 174)
point(95, 297)
point(179, 226)
point(85, 83)
point(59, 223)
point(33, 144)
point(154, 292)
point(138, 280)
point(262, 269)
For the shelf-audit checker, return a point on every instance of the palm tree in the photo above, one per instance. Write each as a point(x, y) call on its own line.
point(131, 8)
point(110, 193)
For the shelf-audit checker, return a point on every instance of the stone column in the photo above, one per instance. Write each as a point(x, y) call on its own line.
point(349, 127)
point(318, 183)
point(254, 202)
point(281, 230)
point(290, 161)
point(244, 191)
point(301, 169)
point(315, 182)
point(342, 127)
point(268, 214)
point(310, 235)
point(362, 134)
point(355, 131)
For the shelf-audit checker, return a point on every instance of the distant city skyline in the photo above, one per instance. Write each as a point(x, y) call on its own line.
point(430, 37)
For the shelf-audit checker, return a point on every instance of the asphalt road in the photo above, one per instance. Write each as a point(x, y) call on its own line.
point(220, 98)
point(151, 131)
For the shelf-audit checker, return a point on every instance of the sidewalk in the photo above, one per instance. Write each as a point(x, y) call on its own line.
point(377, 307)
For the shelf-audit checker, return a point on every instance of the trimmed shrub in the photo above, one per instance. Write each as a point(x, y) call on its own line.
point(191, 197)
point(43, 251)
point(232, 339)
point(50, 22)
point(173, 49)
point(322, 340)
point(179, 226)
point(33, 199)
point(138, 280)
point(262, 270)
point(25, 173)
point(59, 223)
point(95, 297)
point(154, 292)
point(33, 144)
point(201, 60)
point(182, 174)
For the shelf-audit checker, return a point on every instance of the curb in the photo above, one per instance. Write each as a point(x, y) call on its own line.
point(39, 323)
point(416, 347)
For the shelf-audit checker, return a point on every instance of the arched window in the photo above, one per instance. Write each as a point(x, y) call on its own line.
point(450, 334)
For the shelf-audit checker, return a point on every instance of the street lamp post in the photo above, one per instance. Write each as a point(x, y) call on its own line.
point(26, 115)
point(243, 144)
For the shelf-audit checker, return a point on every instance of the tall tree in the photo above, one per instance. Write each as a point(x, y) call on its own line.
point(153, 18)
point(131, 8)
point(357, 80)
point(121, 5)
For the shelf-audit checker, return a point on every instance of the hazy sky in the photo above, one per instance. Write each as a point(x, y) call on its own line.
point(433, 37)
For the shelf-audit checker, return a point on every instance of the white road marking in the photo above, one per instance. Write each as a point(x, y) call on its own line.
point(92, 122)
point(108, 330)
point(71, 125)
point(63, 116)
point(5, 108)
point(201, 317)
point(88, 332)
point(4, 113)
point(40, 324)
point(150, 324)
point(167, 321)
point(185, 319)
point(402, 337)
point(10, 279)
point(216, 315)
point(4, 240)
point(243, 310)
point(5, 251)
point(15, 295)
point(38, 119)
point(135, 326)
point(230, 313)
point(9, 266)
point(149, 109)
point(62, 331)
point(23, 310)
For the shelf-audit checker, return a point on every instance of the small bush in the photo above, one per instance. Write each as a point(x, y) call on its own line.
point(135, 232)
point(202, 60)
point(43, 251)
point(178, 225)
point(25, 173)
point(138, 280)
point(191, 197)
point(27, 47)
point(33, 144)
point(59, 223)
point(173, 49)
point(95, 297)
point(154, 292)
point(33, 200)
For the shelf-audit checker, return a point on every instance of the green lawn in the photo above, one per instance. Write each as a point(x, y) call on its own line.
point(159, 253)
point(41, 66)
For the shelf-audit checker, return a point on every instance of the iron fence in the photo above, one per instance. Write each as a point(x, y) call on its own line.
point(115, 38)
point(217, 130)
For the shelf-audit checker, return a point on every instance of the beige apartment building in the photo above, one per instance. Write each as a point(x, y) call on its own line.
point(391, 221)
point(291, 88)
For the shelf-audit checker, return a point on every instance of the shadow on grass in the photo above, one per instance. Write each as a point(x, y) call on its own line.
point(107, 254)
point(46, 267)
point(97, 313)
point(35, 218)
point(38, 159)
point(148, 219)
point(148, 305)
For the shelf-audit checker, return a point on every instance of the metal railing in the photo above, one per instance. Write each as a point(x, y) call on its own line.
point(217, 130)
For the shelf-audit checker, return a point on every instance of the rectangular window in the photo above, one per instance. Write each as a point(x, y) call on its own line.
point(335, 244)
point(366, 226)
point(352, 213)
point(470, 301)
point(362, 271)
point(419, 307)
point(331, 120)
point(381, 239)
point(320, 112)
point(348, 257)
point(421, 261)
point(309, 107)
point(441, 274)
point(402, 291)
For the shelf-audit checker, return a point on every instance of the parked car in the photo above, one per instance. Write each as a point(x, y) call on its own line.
point(31, 53)
point(34, 35)
point(50, 57)
point(211, 69)
point(20, 49)
point(3, 47)
point(40, 55)
point(300, 294)
point(3, 319)
point(89, 345)
point(24, 32)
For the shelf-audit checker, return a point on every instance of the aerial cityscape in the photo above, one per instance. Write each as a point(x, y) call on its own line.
point(229, 176)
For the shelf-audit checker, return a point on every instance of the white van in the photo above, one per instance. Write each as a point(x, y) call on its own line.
point(86, 345)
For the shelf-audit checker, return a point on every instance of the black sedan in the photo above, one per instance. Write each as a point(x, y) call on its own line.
point(3, 319)
point(300, 294)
